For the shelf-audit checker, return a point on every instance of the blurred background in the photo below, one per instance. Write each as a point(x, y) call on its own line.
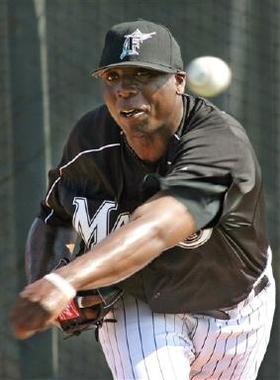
point(47, 50)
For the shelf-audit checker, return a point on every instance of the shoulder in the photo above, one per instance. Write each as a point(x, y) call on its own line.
point(96, 127)
point(201, 113)
point(211, 138)
point(94, 130)
point(206, 122)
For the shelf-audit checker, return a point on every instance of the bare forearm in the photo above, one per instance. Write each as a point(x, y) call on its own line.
point(130, 248)
point(114, 259)
point(154, 227)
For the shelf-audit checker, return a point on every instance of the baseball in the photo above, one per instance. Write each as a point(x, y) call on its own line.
point(208, 76)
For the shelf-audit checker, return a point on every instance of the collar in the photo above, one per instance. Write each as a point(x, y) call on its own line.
point(177, 135)
point(176, 138)
point(174, 142)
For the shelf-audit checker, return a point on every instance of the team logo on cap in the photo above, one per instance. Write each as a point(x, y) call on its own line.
point(133, 41)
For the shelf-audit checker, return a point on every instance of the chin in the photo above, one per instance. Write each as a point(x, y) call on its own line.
point(137, 129)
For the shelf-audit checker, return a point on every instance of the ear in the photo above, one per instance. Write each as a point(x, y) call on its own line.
point(180, 79)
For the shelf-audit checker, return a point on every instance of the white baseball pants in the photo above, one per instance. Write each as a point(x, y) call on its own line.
point(151, 346)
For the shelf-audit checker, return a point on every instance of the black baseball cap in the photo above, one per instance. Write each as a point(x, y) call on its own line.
point(140, 43)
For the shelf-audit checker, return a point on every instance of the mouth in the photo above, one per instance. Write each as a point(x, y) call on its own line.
point(132, 113)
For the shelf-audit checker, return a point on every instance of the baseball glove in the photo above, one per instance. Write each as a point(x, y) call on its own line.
point(88, 309)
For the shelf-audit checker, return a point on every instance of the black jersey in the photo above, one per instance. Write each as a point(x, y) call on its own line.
point(210, 167)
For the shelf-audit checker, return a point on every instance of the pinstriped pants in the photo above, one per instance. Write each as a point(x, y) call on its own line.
point(151, 346)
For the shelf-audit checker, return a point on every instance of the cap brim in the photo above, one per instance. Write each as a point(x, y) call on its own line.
point(147, 65)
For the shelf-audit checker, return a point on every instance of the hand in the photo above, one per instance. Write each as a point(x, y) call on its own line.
point(36, 308)
point(86, 306)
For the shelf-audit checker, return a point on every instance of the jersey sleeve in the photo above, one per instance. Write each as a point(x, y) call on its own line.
point(209, 159)
point(52, 210)
point(94, 132)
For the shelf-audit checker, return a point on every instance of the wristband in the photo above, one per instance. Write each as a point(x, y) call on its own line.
point(61, 284)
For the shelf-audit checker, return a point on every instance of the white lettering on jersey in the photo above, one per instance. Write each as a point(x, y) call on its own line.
point(121, 221)
point(197, 239)
point(94, 230)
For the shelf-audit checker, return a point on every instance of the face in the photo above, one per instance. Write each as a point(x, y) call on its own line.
point(142, 101)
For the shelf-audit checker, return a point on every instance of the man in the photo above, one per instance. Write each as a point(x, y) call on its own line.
point(165, 191)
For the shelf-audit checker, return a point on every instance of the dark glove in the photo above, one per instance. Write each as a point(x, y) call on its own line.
point(89, 309)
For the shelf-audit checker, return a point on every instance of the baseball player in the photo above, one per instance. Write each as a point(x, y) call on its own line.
point(165, 191)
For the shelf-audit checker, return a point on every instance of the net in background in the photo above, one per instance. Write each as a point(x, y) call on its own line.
point(49, 49)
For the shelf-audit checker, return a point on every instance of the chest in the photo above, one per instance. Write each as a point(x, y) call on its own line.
point(101, 197)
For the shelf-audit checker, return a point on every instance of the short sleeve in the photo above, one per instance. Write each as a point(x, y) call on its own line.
point(52, 210)
point(77, 168)
point(208, 160)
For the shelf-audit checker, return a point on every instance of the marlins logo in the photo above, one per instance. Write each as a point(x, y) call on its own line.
point(197, 239)
point(132, 42)
point(94, 228)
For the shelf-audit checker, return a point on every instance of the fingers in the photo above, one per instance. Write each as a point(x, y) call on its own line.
point(27, 318)
point(90, 313)
point(87, 301)
point(23, 334)
point(36, 307)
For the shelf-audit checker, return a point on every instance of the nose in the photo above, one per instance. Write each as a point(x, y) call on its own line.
point(127, 88)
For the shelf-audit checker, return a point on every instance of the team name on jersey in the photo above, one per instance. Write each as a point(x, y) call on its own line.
point(197, 239)
point(94, 229)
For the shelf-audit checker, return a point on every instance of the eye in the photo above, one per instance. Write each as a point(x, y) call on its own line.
point(143, 73)
point(110, 76)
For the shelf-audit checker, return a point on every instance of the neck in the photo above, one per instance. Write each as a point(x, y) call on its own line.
point(151, 147)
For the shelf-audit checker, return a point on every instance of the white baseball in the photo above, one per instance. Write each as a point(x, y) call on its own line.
point(208, 76)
